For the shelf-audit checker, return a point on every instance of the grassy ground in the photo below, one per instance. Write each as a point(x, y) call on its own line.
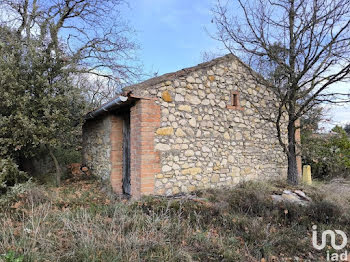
point(81, 222)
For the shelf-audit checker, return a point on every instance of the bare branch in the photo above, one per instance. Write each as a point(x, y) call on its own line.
point(302, 48)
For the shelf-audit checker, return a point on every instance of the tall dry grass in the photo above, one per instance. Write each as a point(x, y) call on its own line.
point(79, 223)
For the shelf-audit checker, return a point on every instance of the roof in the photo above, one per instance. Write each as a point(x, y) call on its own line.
point(117, 102)
point(120, 100)
point(183, 72)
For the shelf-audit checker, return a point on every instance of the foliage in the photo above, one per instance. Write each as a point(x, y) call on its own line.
point(328, 154)
point(99, 46)
point(310, 121)
point(9, 174)
point(66, 157)
point(39, 105)
point(10, 256)
point(78, 222)
point(347, 129)
point(57, 60)
point(41, 109)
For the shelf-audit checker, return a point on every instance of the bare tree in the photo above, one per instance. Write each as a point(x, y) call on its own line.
point(82, 36)
point(96, 89)
point(54, 43)
point(305, 44)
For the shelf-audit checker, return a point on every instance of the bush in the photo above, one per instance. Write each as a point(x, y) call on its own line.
point(328, 155)
point(10, 174)
point(11, 257)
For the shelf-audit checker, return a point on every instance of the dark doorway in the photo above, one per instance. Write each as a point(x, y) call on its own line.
point(126, 154)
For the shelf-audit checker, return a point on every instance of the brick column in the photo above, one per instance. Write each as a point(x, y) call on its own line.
point(116, 137)
point(145, 161)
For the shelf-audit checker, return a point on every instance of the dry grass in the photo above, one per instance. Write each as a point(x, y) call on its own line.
point(78, 222)
point(338, 191)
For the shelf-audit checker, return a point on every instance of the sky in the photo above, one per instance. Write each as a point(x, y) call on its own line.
point(173, 34)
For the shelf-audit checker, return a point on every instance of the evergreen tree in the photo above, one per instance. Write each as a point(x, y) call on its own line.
point(40, 108)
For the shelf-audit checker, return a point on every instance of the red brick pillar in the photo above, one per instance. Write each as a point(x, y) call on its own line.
point(116, 137)
point(145, 161)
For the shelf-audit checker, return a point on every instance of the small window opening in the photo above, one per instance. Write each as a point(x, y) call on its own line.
point(234, 99)
point(234, 103)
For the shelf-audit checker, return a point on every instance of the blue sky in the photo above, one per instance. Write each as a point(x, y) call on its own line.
point(173, 34)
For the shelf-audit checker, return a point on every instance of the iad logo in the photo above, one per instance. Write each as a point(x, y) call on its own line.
point(332, 235)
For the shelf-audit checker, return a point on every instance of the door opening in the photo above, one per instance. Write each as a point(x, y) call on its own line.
point(126, 154)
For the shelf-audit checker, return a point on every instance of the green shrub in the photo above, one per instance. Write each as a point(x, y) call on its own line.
point(328, 155)
point(68, 155)
point(10, 174)
point(11, 257)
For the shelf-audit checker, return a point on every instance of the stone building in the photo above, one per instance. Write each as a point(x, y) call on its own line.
point(200, 127)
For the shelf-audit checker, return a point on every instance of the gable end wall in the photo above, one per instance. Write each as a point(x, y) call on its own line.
point(205, 144)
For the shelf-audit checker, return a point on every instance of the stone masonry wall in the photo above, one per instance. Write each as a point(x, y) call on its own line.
point(103, 147)
point(97, 146)
point(204, 141)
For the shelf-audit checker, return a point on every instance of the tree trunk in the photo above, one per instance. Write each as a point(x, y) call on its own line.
point(57, 166)
point(293, 176)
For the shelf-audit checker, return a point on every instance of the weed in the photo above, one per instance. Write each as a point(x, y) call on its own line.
point(81, 223)
point(11, 256)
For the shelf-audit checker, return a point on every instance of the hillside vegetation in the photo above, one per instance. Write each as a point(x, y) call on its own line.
point(81, 221)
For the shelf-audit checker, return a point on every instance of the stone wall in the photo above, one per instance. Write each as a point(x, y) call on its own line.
point(97, 146)
point(206, 142)
point(103, 147)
